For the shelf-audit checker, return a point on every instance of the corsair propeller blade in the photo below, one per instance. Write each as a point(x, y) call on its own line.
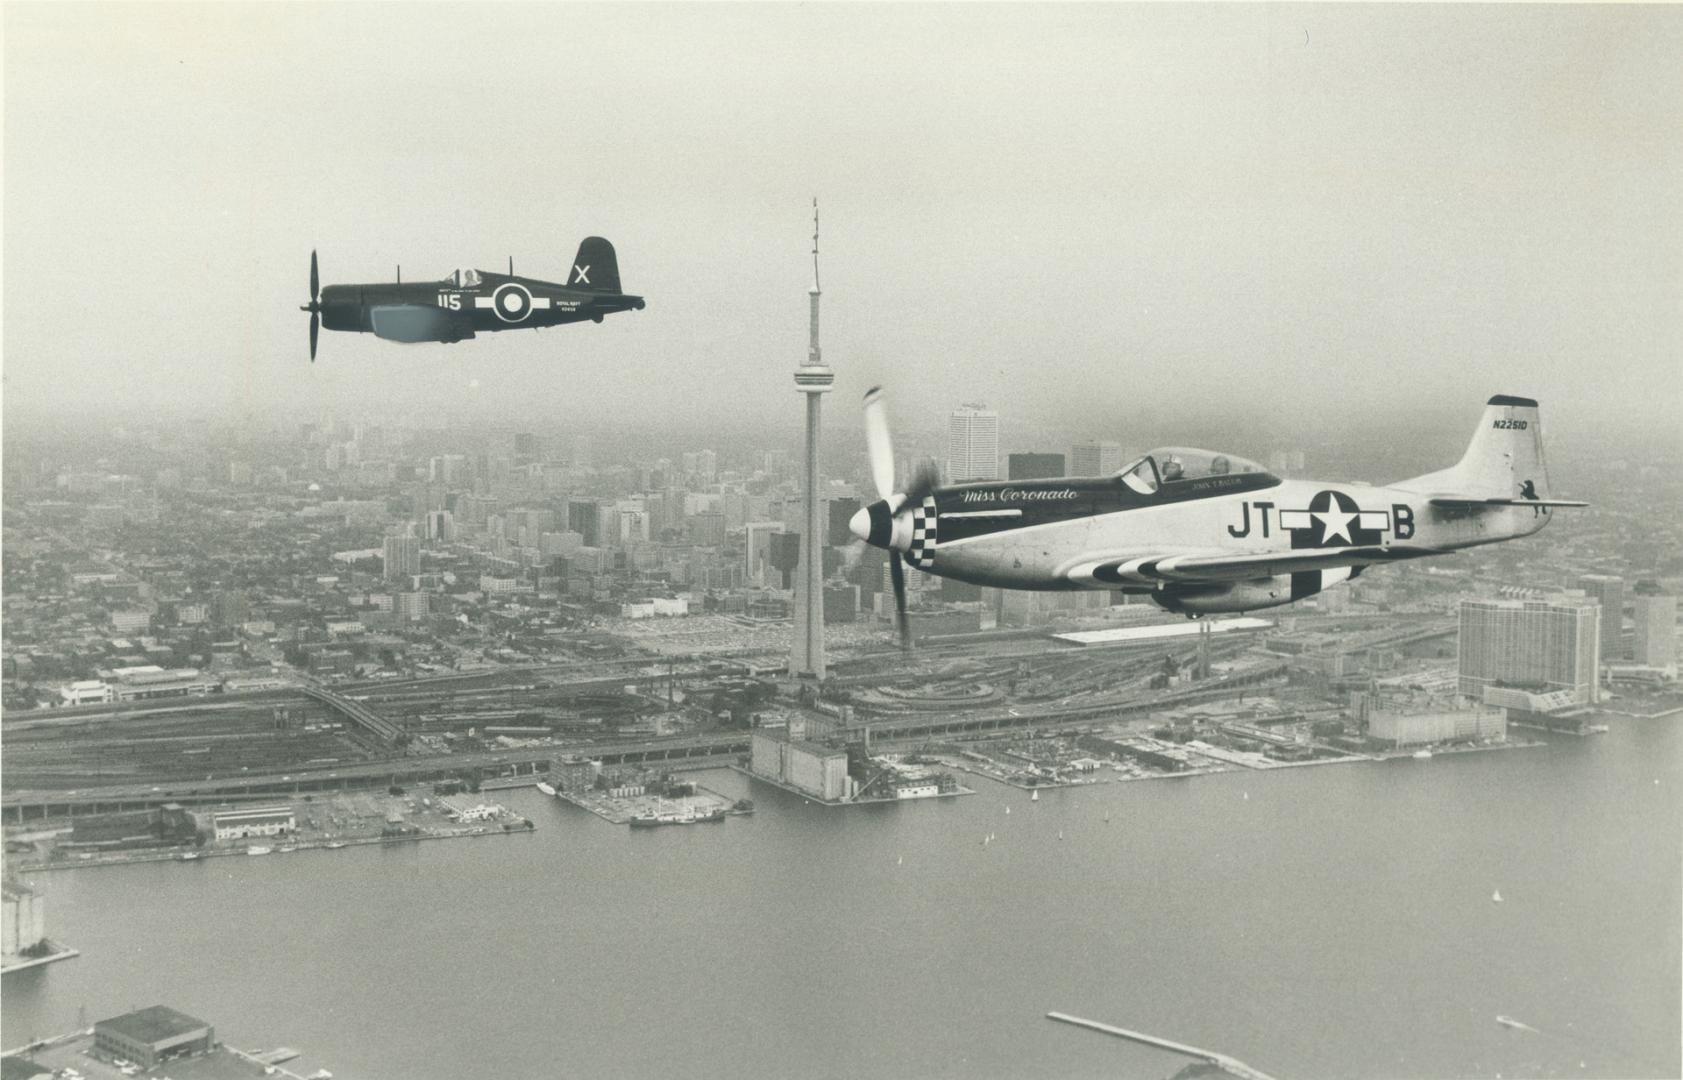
point(897, 575)
point(878, 444)
point(314, 306)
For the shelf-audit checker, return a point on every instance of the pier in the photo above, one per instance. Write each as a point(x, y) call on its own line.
point(1230, 1065)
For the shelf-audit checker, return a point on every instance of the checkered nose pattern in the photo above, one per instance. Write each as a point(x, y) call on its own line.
point(921, 553)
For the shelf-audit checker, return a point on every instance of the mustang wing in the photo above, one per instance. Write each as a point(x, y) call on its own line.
point(419, 322)
point(1214, 567)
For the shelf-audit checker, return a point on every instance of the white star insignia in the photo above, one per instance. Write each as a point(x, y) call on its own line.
point(1327, 517)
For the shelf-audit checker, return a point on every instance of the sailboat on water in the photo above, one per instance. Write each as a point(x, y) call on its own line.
point(1496, 897)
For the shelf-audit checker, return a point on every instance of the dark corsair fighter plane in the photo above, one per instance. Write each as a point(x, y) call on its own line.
point(1203, 532)
point(470, 301)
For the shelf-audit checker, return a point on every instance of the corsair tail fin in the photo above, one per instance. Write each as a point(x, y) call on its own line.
point(594, 268)
point(1503, 461)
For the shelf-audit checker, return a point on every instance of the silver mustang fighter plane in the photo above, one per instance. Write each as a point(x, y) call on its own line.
point(1203, 532)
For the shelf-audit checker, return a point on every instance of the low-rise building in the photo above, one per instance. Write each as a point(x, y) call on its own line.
point(254, 821)
point(1437, 725)
point(86, 692)
point(153, 1035)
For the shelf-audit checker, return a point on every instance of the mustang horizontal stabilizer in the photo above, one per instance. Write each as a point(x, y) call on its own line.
point(1467, 502)
point(417, 322)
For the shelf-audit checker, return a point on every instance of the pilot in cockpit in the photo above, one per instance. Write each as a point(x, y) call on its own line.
point(1172, 469)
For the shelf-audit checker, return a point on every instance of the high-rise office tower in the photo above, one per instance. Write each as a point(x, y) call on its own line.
point(1035, 466)
point(972, 444)
point(1610, 590)
point(1095, 457)
point(812, 379)
point(402, 555)
point(1550, 644)
point(1656, 630)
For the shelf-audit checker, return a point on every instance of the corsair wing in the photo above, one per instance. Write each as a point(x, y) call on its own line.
point(419, 322)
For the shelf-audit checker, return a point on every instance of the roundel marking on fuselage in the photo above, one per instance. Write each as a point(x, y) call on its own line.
point(512, 302)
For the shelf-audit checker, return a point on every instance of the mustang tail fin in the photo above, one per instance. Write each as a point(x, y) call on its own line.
point(1504, 460)
point(594, 268)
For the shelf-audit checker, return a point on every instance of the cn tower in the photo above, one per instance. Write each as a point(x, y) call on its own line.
point(812, 379)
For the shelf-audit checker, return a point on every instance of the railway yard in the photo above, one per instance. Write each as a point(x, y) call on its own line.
point(672, 711)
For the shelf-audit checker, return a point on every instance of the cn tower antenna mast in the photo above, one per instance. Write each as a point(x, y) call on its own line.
point(806, 658)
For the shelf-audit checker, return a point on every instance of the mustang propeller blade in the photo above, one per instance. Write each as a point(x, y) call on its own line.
point(880, 446)
point(897, 575)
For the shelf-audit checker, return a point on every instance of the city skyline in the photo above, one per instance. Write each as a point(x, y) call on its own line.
point(1285, 274)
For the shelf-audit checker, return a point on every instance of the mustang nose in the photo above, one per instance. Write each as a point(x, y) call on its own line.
point(860, 524)
point(873, 524)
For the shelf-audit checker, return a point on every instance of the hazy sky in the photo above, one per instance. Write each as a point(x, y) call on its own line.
point(1074, 214)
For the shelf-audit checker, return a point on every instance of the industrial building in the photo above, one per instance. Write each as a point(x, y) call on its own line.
point(1440, 725)
point(147, 681)
point(574, 774)
point(156, 1034)
point(257, 821)
point(25, 923)
point(805, 766)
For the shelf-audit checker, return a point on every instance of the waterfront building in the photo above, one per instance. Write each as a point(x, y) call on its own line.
point(812, 379)
point(1655, 643)
point(972, 444)
point(1551, 644)
point(253, 821)
point(806, 766)
point(1034, 466)
point(1609, 589)
point(574, 774)
point(150, 1036)
point(24, 923)
point(1095, 457)
point(1407, 728)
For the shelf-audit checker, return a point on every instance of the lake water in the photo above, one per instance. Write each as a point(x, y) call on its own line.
point(1317, 922)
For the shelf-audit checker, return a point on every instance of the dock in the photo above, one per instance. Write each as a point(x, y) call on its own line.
point(1230, 1065)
